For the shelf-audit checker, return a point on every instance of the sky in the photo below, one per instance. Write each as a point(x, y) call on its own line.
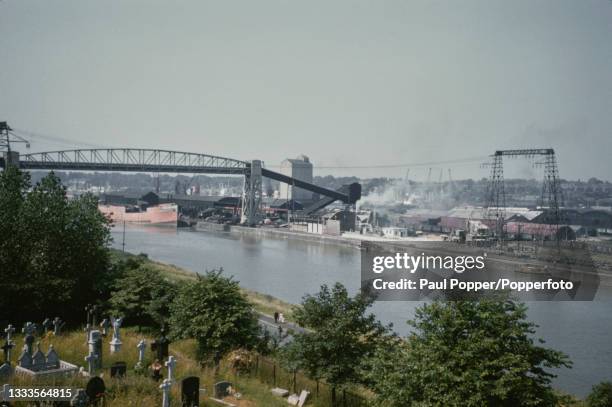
point(348, 83)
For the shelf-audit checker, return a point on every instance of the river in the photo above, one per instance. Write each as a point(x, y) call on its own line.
point(290, 268)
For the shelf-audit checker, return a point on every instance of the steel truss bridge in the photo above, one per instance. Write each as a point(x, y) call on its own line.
point(149, 160)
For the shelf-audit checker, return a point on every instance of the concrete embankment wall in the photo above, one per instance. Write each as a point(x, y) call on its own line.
point(288, 234)
point(211, 227)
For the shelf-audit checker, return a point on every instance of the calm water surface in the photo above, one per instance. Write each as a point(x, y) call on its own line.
point(289, 268)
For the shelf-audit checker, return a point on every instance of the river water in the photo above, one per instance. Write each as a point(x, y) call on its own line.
point(290, 268)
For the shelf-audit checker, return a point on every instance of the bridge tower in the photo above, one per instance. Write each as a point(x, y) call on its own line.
point(251, 194)
point(7, 136)
point(552, 194)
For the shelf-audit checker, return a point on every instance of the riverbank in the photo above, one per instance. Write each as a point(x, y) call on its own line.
point(288, 269)
point(356, 240)
point(263, 303)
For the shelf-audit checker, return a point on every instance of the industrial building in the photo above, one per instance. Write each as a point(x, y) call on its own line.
point(299, 168)
point(520, 223)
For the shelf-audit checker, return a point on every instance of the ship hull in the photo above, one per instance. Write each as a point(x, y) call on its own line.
point(165, 214)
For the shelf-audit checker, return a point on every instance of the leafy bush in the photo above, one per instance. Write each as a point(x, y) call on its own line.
point(342, 336)
point(214, 311)
point(601, 395)
point(142, 295)
point(467, 353)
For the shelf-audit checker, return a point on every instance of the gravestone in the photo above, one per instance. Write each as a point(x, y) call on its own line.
point(142, 345)
point(105, 324)
point(115, 343)
point(91, 311)
point(29, 328)
point(95, 347)
point(58, 324)
point(52, 359)
point(25, 359)
point(39, 361)
point(91, 363)
point(293, 399)
point(171, 364)
point(118, 369)
point(47, 325)
point(4, 394)
point(222, 389)
point(5, 371)
point(160, 346)
point(87, 329)
point(80, 399)
point(29, 342)
point(6, 348)
point(303, 397)
point(277, 391)
point(190, 392)
point(9, 332)
point(165, 386)
point(95, 388)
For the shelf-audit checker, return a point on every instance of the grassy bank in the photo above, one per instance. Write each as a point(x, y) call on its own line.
point(263, 303)
point(137, 389)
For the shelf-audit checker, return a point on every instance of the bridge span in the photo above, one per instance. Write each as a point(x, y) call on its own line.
point(167, 161)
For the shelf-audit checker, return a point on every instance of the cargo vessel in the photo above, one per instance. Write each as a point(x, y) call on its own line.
point(163, 214)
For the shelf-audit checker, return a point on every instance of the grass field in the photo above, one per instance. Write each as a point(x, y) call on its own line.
point(138, 389)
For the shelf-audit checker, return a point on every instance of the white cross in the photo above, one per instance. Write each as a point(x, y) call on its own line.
point(165, 386)
point(9, 330)
point(170, 364)
point(28, 328)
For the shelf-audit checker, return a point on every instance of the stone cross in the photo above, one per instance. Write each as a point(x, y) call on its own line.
point(91, 313)
point(58, 324)
point(90, 359)
point(29, 328)
point(7, 351)
point(9, 331)
point(86, 330)
point(142, 345)
point(47, 325)
point(165, 386)
point(170, 364)
point(104, 325)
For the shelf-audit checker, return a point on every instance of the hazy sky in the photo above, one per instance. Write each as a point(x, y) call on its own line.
point(345, 82)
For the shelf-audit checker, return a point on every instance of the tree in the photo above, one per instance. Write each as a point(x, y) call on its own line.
point(53, 251)
point(601, 395)
point(143, 296)
point(214, 311)
point(342, 335)
point(466, 353)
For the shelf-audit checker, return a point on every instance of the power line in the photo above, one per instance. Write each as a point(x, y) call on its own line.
point(418, 164)
point(58, 139)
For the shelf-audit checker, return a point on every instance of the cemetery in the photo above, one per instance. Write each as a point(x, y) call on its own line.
point(91, 363)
